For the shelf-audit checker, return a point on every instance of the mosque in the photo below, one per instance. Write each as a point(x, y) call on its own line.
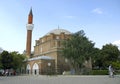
point(47, 56)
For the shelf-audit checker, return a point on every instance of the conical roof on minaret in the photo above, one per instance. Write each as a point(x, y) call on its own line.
point(30, 17)
point(31, 12)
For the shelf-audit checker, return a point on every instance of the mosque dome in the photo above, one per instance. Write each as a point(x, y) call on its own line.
point(58, 31)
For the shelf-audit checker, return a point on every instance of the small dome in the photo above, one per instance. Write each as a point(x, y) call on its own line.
point(58, 31)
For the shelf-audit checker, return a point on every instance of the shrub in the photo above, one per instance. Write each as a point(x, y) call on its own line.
point(99, 72)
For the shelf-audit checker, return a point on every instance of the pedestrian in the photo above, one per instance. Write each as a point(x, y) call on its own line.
point(111, 71)
point(6, 72)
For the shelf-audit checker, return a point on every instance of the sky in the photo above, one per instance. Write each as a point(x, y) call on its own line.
point(100, 20)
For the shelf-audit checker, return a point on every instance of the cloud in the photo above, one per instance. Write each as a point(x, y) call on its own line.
point(117, 43)
point(97, 11)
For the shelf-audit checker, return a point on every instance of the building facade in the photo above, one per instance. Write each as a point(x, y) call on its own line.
point(47, 56)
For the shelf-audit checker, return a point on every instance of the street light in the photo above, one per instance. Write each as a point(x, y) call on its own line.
point(49, 65)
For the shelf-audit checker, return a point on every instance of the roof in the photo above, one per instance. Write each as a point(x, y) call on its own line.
point(40, 58)
point(30, 13)
point(58, 31)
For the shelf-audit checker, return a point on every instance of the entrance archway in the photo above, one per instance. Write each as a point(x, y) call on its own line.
point(28, 69)
point(35, 69)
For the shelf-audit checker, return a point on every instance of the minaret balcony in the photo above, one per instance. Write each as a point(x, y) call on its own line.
point(30, 26)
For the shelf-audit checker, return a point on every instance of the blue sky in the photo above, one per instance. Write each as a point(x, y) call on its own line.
point(100, 20)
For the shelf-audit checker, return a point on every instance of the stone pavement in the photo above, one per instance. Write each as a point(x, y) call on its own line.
point(59, 80)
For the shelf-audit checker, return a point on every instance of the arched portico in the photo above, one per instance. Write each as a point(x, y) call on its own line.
point(35, 69)
point(28, 69)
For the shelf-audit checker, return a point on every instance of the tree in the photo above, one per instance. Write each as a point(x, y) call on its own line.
point(6, 60)
point(96, 59)
point(0, 63)
point(77, 49)
point(18, 59)
point(110, 54)
point(12, 60)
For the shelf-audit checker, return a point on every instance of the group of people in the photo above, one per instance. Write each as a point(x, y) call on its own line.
point(7, 72)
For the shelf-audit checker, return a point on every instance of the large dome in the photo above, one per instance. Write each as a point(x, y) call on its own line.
point(58, 31)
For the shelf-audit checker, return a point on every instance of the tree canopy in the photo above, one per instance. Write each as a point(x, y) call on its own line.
point(109, 54)
point(77, 49)
point(12, 60)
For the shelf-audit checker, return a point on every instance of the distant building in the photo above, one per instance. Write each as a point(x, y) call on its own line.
point(1, 50)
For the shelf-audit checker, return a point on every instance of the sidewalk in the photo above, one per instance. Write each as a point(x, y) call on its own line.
point(60, 79)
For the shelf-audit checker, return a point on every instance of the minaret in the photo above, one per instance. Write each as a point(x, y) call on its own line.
point(29, 28)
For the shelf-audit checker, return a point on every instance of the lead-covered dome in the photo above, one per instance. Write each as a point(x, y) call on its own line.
point(58, 31)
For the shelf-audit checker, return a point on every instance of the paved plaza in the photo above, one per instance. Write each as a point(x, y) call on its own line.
point(59, 80)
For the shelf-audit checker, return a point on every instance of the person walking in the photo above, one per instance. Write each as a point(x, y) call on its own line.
point(111, 71)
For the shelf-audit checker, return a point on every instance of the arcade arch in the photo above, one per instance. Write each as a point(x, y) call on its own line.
point(35, 69)
point(28, 69)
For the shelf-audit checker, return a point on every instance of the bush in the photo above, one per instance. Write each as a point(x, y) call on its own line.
point(117, 72)
point(116, 65)
point(99, 72)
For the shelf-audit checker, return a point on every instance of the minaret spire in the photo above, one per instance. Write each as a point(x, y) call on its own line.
point(29, 27)
point(30, 17)
point(31, 12)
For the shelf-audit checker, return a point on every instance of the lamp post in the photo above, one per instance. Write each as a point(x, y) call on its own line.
point(49, 69)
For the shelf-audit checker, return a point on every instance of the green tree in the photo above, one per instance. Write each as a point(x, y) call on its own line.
point(6, 60)
point(0, 63)
point(12, 60)
point(18, 59)
point(96, 58)
point(77, 49)
point(110, 54)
